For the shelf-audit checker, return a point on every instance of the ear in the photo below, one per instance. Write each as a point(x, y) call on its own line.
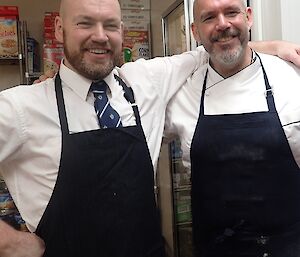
point(196, 33)
point(122, 31)
point(249, 17)
point(59, 29)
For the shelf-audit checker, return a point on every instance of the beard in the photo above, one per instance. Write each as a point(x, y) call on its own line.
point(90, 70)
point(228, 55)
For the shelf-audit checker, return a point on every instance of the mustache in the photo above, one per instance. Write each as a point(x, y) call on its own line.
point(225, 34)
point(95, 45)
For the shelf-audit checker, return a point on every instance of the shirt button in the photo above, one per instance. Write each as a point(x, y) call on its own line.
point(266, 255)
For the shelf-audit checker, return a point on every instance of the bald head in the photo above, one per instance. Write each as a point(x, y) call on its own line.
point(197, 6)
point(65, 4)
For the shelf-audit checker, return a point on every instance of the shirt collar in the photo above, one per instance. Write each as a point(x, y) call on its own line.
point(244, 74)
point(79, 84)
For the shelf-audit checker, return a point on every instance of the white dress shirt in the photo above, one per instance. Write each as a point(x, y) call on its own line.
point(243, 92)
point(30, 134)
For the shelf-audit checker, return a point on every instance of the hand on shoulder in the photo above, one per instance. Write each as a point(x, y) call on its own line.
point(289, 52)
point(43, 77)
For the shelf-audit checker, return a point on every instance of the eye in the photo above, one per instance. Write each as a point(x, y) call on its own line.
point(112, 26)
point(232, 14)
point(207, 18)
point(84, 24)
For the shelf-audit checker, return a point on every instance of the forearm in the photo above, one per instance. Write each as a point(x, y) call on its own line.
point(266, 47)
point(287, 51)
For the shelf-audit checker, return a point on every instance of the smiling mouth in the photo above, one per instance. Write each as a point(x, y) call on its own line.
point(224, 39)
point(98, 51)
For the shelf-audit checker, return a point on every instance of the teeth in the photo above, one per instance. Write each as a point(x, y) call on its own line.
point(224, 39)
point(98, 51)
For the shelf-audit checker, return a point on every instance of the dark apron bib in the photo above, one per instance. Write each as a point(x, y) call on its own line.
point(103, 203)
point(245, 185)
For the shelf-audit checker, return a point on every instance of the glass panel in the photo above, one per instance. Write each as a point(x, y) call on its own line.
point(175, 31)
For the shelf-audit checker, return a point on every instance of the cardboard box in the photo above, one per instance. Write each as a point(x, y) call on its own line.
point(49, 28)
point(9, 16)
point(8, 38)
point(11, 11)
point(135, 4)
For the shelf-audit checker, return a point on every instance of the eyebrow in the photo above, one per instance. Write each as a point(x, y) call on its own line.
point(229, 8)
point(88, 18)
point(206, 13)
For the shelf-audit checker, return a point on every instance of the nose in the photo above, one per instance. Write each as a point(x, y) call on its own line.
point(222, 23)
point(99, 34)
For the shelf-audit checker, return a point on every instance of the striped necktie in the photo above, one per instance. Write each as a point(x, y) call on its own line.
point(107, 116)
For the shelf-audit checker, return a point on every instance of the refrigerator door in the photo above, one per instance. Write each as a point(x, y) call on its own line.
point(173, 179)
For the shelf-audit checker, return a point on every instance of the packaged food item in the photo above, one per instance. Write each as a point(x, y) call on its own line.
point(33, 55)
point(183, 206)
point(52, 56)
point(8, 31)
point(49, 28)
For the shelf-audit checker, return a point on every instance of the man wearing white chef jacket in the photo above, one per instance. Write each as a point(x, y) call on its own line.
point(238, 119)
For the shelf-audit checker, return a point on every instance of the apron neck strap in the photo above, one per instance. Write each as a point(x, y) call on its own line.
point(61, 105)
point(129, 96)
point(268, 92)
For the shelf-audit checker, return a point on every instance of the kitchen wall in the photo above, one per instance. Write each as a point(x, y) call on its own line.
point(276, 19)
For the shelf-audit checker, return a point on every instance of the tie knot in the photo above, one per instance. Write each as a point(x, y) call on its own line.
point(99, 87)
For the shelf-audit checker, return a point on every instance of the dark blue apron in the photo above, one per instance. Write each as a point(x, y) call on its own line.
point(245, 185)
point(103, 203)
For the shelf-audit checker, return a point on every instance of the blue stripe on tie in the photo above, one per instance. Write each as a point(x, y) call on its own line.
point(107, 116)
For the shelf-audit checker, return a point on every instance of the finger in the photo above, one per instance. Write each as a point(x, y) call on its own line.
point(36, 81)
point(43, 77)
point(50, 73)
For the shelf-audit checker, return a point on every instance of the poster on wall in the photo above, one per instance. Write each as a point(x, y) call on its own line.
point(136, 41)
point(136, 20)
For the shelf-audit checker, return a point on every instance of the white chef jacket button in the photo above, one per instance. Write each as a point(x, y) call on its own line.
point(266, 255)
